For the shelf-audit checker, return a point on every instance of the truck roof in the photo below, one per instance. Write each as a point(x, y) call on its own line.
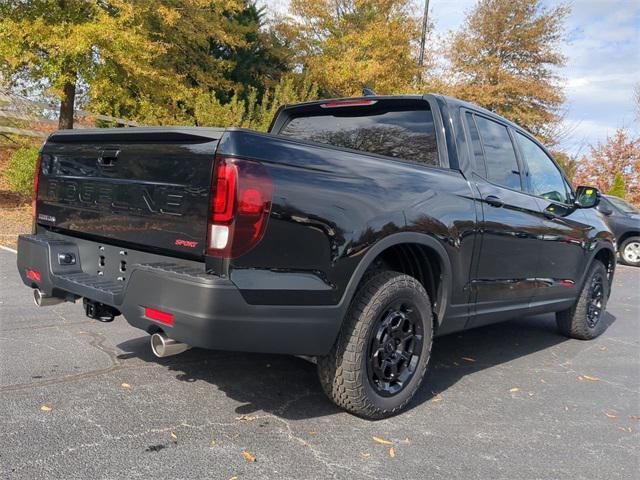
point(450, 101)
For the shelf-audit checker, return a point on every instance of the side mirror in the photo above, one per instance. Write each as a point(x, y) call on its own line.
point(604, 209)
point(587, 197)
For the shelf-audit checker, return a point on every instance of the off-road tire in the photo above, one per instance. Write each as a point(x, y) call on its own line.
point(343, 372)
point(573, 322)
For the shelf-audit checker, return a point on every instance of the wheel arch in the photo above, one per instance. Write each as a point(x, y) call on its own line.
point(626, 235)
point(605, 254)
point(411, 246)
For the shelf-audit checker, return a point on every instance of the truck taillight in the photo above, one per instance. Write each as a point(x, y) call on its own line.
point(34, 195)
point(240, 206)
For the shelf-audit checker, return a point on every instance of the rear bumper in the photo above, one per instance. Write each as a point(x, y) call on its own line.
point(208, 311)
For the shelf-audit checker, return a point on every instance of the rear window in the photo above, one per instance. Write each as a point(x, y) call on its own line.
point(401, 131)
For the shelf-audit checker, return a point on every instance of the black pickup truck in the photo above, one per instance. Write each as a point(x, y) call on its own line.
point(353, 232)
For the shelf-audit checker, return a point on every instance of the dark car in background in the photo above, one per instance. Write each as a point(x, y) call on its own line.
point(624, 220)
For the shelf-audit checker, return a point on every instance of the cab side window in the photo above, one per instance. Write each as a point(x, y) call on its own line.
point(478, 154)
point(545, 179)
point(499, 155)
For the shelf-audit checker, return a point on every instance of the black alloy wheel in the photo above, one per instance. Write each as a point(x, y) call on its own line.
point(394, 349)
point(596, 295)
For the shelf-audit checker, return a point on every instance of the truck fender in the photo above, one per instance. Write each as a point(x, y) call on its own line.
point(397, 239)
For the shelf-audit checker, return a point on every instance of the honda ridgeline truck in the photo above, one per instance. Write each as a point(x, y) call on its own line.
point(354, 232)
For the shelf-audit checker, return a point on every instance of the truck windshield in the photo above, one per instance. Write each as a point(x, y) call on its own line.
point(400, 131)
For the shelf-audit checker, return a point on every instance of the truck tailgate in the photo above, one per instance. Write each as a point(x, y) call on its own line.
point(145, 187)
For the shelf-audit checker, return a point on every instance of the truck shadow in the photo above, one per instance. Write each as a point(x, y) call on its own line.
point(288, 386)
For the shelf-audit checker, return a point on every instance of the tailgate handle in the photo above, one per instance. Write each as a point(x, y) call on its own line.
point(108, 158)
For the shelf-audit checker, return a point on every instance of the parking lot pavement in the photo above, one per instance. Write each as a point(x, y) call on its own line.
point(82, 399)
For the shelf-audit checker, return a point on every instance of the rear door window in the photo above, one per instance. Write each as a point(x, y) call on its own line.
point(499, 154)
point(403, 132)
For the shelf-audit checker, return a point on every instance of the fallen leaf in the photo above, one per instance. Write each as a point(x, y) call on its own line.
point(45, 408)
point(392, 452)
point(589, 378)
point(246, 418)
point(542, 380)
point(514, 390)
point(126, 385)
point(625, 429)
point(365, 455)
point(603, 348)
point(234, 478)
point(436, 399)
point(469, 359)
point(313, 433)
point(610, 415)
point(381, 441)
point(248, 457)
point(213, 443)
point(634, 417)
point(174, 436)
point(406, 440)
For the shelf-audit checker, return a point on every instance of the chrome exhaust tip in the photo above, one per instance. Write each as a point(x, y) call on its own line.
point(43, 300)
point(163, 346)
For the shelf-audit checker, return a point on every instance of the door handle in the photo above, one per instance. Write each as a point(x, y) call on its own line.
point(494, 201)
point(108, 158)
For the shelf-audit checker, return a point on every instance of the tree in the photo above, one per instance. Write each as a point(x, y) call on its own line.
point(142, 59)
point(617, 188)
point(198, 39)
point(345, 45)
point(504, 58)
point(58, 45)
point(618, 156)
point(260, 61)
point(568, 163)
point(215, 48)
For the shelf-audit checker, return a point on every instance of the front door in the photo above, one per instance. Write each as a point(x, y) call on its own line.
point(564, 241)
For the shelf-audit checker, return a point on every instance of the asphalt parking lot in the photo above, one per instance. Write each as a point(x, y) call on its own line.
point(81, 399)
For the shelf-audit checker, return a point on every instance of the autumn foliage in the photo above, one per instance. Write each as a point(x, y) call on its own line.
point(618, 156)
point(504, 58)
point(345, 45)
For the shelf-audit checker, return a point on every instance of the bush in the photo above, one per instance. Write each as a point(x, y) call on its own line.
point(617, 187)
point(20, 170)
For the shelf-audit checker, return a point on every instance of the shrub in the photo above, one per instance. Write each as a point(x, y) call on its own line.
point(20, 169)
point(617, 188)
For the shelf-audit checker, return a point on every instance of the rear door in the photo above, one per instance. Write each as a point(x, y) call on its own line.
point(138, 187)
point(507, 264)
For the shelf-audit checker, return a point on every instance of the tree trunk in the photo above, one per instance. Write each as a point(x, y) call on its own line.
point(67, 105)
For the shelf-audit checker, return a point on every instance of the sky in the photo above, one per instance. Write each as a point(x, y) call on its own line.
point(603, 62)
